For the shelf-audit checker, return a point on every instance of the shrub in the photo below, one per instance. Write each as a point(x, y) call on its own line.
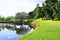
point(56, 19)
point(35, 24)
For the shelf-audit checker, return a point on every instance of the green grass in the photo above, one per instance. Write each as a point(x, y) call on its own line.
point(48, 30)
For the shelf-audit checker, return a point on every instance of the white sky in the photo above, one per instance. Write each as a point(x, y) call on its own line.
point(11, 7)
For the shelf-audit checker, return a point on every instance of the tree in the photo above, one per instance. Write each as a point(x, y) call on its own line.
point(30, 16)
point(2, 19)
point(10, 19)
point(36, 13)
point(21, 15)
point(50, 8)
point(58, 10)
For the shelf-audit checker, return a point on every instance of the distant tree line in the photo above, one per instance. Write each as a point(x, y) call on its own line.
point(18, 18)
point(7, 19)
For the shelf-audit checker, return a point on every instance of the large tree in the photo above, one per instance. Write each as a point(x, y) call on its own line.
point(36, 13)
point(50, 8)
point(21, 15)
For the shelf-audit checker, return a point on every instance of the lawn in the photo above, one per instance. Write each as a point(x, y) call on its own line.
point(48, 30)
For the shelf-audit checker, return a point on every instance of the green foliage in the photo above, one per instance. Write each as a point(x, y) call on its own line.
point(30, 15)
point(49, 10)
point(10, 19)
point(35, 24)
point(2, 19)
point(37, 13)
point(7, 19)
point(21, 15)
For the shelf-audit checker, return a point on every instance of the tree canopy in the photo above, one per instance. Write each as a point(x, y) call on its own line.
point(50, 10)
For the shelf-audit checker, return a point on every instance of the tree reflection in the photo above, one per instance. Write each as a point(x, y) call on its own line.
point(18, 30)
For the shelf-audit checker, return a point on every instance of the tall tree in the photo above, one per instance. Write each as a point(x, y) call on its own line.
point(20, 16)
point(36, 13)
point(30, 16)
point(50, 8)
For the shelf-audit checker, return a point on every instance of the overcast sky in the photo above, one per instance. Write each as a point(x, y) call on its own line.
point(11, 7)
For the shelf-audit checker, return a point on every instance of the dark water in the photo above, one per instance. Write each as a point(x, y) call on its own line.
point(11, 32)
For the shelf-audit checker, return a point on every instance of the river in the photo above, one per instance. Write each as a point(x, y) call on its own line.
point(12, 32)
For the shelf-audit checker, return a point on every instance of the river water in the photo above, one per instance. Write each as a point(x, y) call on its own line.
point(12, 32)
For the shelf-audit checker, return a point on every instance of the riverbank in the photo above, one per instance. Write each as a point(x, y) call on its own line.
point(45, 30)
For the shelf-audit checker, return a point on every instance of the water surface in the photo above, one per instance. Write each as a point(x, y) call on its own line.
point(11, 32)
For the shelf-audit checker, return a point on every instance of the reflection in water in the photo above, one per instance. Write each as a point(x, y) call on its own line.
point(23, 29)
point(12, 32)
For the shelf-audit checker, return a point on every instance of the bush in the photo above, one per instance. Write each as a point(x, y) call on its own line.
point(56, 19)
point(35, 24)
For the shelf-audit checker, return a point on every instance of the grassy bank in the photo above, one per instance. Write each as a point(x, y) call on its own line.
point(46, 30)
